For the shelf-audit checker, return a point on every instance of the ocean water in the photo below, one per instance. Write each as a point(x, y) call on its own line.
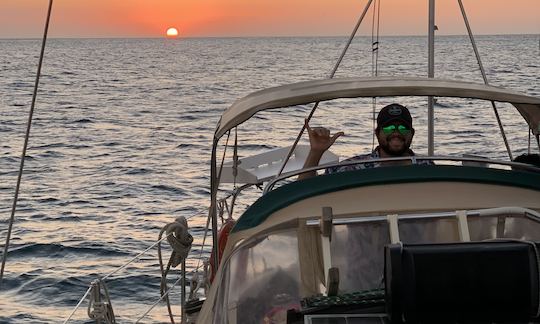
point(122, 134)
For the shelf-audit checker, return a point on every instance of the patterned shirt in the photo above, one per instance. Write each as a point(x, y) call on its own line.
point(368, 165)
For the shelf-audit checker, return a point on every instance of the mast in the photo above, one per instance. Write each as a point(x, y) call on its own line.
point(431, 74)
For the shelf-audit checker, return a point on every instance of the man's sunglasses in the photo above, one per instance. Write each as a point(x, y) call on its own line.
point(402, 129)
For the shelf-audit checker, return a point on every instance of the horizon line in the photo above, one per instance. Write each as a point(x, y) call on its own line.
point(261, 36)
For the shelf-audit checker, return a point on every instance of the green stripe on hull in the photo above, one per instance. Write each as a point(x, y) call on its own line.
point(296, 191)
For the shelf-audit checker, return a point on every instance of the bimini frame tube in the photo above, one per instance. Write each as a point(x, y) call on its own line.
point(213, 203)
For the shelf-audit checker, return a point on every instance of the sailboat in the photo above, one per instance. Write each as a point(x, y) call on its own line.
point(456, 242)
point(453, 240)
point(330, 244)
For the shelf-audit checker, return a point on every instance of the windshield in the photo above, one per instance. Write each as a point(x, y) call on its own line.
point(283, 271)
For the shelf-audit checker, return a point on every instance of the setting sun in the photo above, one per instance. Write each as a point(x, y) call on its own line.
point(172, 32)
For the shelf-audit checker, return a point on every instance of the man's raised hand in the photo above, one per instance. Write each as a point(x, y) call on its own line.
point(320, 139)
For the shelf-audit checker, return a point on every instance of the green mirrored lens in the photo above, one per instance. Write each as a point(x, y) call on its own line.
point(404, 130)
point(389, 129)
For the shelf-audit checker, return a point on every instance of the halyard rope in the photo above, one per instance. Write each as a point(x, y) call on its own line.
point(25, 146)
point(375, 59)
point(166, 293)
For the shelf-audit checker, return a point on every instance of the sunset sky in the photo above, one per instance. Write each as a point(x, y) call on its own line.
point(218, 18)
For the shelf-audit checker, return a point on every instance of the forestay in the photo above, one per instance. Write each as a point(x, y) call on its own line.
point(328, 89)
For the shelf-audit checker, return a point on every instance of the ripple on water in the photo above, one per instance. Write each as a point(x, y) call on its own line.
point(116, 152)
point(83, 121)
point(57, 250)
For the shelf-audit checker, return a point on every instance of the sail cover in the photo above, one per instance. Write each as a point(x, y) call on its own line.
point(328, 89)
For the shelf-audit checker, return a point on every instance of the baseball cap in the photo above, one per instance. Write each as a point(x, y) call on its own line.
point(392, 113)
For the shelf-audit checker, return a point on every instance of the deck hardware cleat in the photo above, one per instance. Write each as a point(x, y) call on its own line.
point(98, 309)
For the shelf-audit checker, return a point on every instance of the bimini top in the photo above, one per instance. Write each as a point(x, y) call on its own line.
point(322, 90)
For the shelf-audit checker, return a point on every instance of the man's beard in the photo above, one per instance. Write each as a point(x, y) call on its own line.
point(387, 148)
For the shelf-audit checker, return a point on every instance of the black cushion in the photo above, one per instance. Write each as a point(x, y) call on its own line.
point(461, 282)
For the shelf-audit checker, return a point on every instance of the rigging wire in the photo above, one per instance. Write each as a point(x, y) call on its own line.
point(218, 180)
point(331, 76)
point(235, 157)
point(206, 228)
point(78, 305)
point(477, 54)
point(529, 144)
point(214, 187)
point(165, 294)
point(25, 145)
point(145, 313)
point(375, 59)
point(224, 153)
point(138, 256)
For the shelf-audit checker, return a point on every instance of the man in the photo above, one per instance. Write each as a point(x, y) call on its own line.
point(394, 133)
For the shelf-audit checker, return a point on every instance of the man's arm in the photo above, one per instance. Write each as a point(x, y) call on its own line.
point(319, 141)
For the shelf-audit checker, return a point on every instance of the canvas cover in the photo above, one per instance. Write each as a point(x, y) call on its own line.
point(327, 89)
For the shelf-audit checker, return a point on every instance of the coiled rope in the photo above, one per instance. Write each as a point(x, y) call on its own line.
point(180, 240)
point(25, 145)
